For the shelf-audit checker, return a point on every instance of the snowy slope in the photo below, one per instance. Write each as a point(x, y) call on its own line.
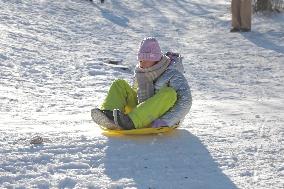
point(53, 70)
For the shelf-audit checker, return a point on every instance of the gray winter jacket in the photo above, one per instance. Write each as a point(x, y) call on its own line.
point(173, 77)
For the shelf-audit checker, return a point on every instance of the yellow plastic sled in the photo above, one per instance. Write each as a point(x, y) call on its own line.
point(143, 131)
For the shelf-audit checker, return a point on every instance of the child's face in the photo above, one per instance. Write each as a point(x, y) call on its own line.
point(146, 63)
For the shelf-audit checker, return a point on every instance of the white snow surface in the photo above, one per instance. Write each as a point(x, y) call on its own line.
point(53, 70)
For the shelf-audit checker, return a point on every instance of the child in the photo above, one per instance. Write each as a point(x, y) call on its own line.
point(162, 98)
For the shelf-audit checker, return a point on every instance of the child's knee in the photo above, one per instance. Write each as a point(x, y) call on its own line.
point(119, 82)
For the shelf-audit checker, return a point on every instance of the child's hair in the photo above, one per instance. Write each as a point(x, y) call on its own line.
point(149, 50)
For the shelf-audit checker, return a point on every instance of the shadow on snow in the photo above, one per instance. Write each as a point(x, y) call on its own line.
point(176, 160)
point(262, 40)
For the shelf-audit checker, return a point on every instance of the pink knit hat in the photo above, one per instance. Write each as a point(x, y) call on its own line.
point(149, 50)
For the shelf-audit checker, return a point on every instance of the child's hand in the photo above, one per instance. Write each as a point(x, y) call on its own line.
point(159, 123)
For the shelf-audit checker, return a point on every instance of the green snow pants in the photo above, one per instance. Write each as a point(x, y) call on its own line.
point(121, 96)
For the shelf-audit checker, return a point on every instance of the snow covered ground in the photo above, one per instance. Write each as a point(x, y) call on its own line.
point(53, 70)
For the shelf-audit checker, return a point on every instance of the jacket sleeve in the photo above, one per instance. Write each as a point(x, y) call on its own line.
point(183, 104)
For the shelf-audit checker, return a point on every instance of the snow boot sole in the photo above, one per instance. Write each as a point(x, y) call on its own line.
point(101, 119)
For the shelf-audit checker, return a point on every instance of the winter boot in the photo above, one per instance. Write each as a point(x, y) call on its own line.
point(233, 30)
point(122, 120)
point(104, 118)
point(108, 113)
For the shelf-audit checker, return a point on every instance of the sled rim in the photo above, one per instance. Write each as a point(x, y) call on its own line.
point(143, 131)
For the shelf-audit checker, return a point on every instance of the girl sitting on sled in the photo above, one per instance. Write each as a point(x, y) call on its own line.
point(162, 96)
